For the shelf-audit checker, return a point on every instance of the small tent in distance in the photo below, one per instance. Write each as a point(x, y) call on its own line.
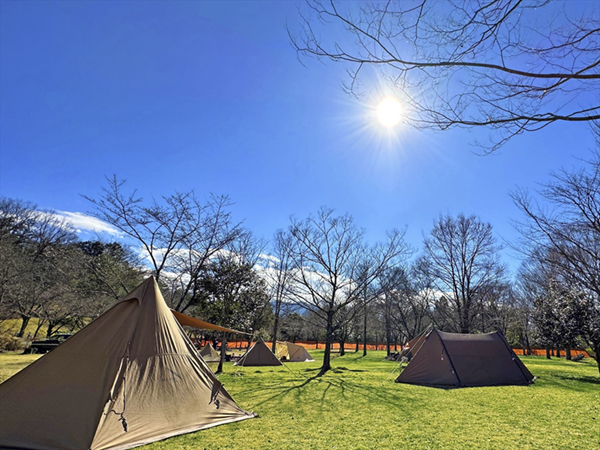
point(209, 354)
point(259, 355)
point(289, 352)
point(412, 347)
point(129, 378)
point(465, 360)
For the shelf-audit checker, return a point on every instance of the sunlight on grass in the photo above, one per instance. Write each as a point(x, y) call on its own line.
point(357, 405)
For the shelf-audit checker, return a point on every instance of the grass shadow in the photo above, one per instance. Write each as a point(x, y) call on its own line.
point(342, 369)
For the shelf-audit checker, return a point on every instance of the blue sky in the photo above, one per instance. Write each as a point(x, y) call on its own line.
point(173, 96)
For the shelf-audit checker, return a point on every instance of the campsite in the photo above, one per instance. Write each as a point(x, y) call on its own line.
point(300, 224)
point(133, 377)
point(357, 405)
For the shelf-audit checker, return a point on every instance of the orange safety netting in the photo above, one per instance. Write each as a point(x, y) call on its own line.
point(312, 345)
point(542, 352)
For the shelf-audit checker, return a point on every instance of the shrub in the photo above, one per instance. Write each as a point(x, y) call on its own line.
point(10, 343)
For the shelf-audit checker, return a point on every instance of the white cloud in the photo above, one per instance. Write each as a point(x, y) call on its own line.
point(84, 223)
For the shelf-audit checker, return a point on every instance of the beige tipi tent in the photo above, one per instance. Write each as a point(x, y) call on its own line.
point(259, 355)
point(129, 378)
point(209, 354)
point(289, 352)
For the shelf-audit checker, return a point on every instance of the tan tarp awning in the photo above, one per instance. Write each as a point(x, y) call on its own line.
point(197, 323)
point(129, 378)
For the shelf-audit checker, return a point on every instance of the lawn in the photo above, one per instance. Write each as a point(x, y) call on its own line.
point(357, 405)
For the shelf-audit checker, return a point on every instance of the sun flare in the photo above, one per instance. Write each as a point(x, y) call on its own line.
point(389, 112)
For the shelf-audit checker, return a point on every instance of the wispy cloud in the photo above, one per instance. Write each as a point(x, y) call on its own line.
point(84, 223)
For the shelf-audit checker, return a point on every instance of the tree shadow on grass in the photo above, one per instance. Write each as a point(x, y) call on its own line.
point(342, 369)
point(580, 379)
point(337, 386)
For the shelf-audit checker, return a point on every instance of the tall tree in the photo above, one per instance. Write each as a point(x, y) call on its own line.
point(567, 234)
point(113, 270)
point(31, 244)
point(231, 292)
point(329, 259)
point(278, 276)
point(409, 299)
point(461, 257)
point(178, 234)
point(508, 65)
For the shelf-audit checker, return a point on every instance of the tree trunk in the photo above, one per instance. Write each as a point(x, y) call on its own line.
point(356, 351)
point(50, 329)
point(568, 353)
point(464, 320)
point(38, 328)
point(274, 335)
point(365, 332)
point(387, 332)
point(317, 342)
point(223, 353)
point(558, 352)
point(342, 349)
point(388, 339)
point(547, 352)
point(596, 349)
point(328, 342)
point(25, 321)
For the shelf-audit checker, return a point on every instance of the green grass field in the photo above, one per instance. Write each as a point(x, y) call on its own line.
point(357, 405)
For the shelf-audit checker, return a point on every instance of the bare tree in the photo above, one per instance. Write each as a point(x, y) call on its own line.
point(278, 277)
point(568, 235)
point(395, 290)
point(31, 244)
point(508, 65)
point(112, 270)
point(178, 235)
point(409, 294)
point(329, 260)
point(461, 256)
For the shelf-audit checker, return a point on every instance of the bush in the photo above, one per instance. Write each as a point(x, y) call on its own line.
point(9, 343)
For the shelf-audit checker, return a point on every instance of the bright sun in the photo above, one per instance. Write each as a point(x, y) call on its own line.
point(389, 112)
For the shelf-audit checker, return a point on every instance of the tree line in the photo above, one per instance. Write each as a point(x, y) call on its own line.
point(318, 279)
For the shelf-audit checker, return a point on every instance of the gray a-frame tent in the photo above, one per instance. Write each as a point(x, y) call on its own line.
point(129, 378)
point(209, 354)
point(259, 355)
point(465, 360)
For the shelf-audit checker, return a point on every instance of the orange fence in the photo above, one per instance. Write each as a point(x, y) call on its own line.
point(311, 345)
point(542, 352)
